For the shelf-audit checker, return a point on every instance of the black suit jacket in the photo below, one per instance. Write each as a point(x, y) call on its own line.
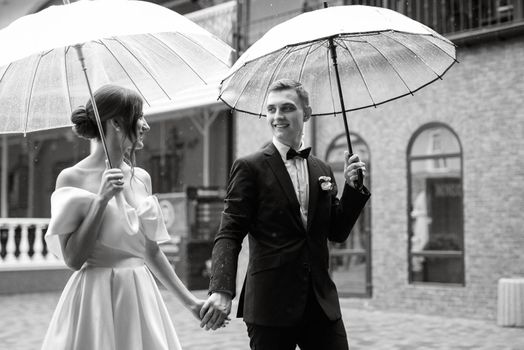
point(285, 258)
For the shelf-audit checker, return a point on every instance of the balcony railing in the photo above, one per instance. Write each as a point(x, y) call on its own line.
point(22, 244)
point(452, 18)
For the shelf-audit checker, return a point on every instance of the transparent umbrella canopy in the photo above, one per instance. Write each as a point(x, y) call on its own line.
point(52, 61)
point(381, 55)
point(347, 58)
point(135, 44)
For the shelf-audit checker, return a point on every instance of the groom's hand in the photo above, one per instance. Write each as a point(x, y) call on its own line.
point(215, 310)
point(352, 165)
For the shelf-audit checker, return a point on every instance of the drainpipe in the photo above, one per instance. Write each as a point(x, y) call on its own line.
point(314, 134)
point(30, 183)
point(239, 43)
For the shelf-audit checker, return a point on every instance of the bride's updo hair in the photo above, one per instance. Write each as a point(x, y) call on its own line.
point(83, 125)
point(113, 102)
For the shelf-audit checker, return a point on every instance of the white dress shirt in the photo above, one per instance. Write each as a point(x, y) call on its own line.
point(298, 172)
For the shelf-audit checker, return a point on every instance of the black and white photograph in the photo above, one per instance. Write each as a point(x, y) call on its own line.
point(261, 174)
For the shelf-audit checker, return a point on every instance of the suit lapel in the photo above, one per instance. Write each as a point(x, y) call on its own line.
point(314, 173)
point(279, 169)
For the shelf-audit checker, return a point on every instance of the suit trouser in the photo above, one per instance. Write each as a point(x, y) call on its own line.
point(314, 332)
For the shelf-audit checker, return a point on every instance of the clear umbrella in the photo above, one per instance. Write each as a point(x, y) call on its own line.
point(347, 57)
point(135, 44)
point(51, 61)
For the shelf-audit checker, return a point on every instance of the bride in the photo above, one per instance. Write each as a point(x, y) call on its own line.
point(111, 301)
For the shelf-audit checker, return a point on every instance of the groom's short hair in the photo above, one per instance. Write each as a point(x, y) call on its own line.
point(290, 84)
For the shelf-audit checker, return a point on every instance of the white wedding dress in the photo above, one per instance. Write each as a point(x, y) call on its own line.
point(112, 302)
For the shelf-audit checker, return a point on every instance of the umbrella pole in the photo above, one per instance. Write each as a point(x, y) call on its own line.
point(130, 217)
point(333, 50)
point(95, 108)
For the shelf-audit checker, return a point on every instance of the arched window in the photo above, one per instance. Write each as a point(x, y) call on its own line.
point(436, 229)
point(350, 262)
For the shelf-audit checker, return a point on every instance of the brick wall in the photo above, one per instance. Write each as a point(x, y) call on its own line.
point(482, 100)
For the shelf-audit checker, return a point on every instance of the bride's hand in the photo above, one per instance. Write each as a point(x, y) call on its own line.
point(195, 307)
point(112, 183)
point(215, 312)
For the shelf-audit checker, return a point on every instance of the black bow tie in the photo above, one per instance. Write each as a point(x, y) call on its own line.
point(303, 153)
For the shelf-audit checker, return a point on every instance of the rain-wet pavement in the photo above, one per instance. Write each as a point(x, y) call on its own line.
point(25, 318)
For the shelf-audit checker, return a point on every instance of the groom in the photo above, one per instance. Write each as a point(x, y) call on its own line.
point(285, 199)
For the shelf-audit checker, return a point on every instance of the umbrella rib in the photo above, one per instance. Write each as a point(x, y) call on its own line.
point(435, 45)
point(392, 66)
point(309, 51)
point(360, 72)
point(270, 80)
point(251, 61)
point(319, 46)
point(31, 93)
point(383, 102)
point(245, 64)
point(379, 103)
point(68, 90)
point(196, 43)
point(420, 58)
point(304, 63)
point(5, 71)
point(142, 64)
point(241, 92)
point(46, 53)
point(241, 110)
point(125, 71)
point(176, 54)
point(300, 47)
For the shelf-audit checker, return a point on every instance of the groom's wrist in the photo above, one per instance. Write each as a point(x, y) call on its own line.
point(220, 291)
point(226, 292)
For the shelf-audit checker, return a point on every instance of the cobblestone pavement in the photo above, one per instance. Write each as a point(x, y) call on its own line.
point(24, 320)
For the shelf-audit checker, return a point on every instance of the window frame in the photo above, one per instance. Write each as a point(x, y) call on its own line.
point(442, 253)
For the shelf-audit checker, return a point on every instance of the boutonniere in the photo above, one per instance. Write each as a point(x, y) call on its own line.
point(325, 183)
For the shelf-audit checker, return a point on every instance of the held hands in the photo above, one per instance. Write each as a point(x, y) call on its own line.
point(112, 183)
point(351, 166)
point(215, 311)
point(195, 307)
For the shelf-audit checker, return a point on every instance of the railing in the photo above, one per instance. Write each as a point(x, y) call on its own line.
point(455, 16)
point(22, 245)
point(447, 17)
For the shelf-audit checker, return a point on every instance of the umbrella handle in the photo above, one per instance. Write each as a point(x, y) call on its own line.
point(360, 181)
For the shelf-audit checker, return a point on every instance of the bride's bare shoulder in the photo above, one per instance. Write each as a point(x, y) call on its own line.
point(69, 177)
point(75, 176)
